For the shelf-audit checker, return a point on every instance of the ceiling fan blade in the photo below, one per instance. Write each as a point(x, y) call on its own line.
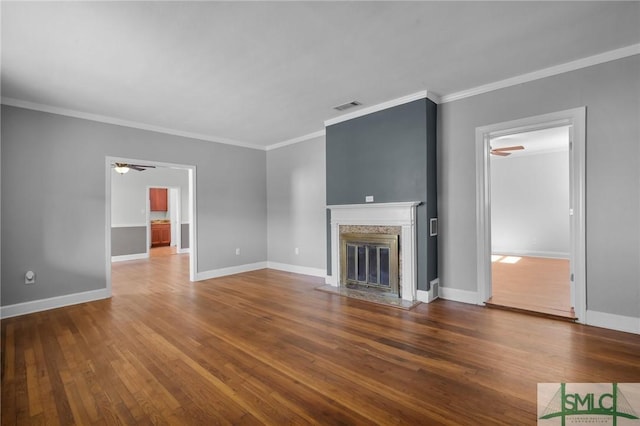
point(509, 148)
point(140, 168)
point(500, 153)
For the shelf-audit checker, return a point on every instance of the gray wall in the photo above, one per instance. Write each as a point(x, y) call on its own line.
point(296, 204)
point(385, 154)
point(611, 93)
point(127, 240)
point(53, 199)
point(530, 204)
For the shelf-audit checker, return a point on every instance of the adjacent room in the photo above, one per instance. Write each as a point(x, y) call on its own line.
point(319, 212)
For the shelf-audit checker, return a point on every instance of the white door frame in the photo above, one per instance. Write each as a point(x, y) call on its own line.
point(191, 169)
point(576, 119)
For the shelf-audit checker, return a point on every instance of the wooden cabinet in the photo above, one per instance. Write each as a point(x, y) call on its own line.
point(158, 199)
point(160, 234)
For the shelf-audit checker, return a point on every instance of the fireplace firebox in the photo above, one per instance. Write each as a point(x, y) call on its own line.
point(370, 261)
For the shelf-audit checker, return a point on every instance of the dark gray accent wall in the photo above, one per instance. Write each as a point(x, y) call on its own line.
point(128, 240)
point(390, 155)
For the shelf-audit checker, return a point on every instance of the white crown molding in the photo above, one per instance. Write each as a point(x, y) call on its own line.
point(125, 123)
point(611, 55)
point(302, 138)
point(375, 108)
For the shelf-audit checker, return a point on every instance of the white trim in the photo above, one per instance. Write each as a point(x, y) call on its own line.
point(375, 108)
point(613, 322)
point(216, 273)
point(428, 296)
point(181, 250)
point(53, 303)
point(457, 295)
point(126, 257)
point(299, 139)
point(611, 55)
point(576, 119)
point(134, 225)
point(380, 214)
point(304, 270)
point(125, 123)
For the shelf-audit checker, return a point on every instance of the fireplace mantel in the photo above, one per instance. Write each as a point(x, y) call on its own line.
point(401, 214)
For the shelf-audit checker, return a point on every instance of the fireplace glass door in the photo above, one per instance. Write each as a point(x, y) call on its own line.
point(370, 261)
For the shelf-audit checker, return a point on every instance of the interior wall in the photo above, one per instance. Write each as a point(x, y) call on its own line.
point(530, 205)
point(611, 94)
point(296, 204)
point(53, 207)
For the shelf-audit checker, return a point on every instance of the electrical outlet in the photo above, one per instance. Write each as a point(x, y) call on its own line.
point(296, 250)
point(237, 252)
point(30, 277)
point(368, 199)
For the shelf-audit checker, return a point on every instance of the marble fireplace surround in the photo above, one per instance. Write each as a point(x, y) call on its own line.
point(379, 214)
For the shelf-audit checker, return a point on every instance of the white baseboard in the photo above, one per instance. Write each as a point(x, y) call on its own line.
point(183, 250)
point(428, 296)
point(126, 257)
point(53, 303)
point(457, 295)
point(613, 322)
point(330, 280)
point(216, 273)
point(304, 270)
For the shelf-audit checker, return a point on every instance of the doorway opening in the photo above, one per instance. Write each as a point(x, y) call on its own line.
point(129, 216)
point(530, 188)
point(165, 223)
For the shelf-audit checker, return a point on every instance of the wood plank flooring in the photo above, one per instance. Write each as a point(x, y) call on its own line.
point(265, 347)
point(534, 284)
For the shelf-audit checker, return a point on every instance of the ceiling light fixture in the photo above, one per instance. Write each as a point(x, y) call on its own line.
point(121, 168)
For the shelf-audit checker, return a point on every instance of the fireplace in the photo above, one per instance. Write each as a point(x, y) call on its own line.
point(374, 223)
point(369, 261)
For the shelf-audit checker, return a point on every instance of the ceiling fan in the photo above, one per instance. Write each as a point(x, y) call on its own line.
point(123, 168)
point(503, 152)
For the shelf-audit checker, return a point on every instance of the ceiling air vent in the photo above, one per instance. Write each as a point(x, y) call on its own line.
point(347, 105)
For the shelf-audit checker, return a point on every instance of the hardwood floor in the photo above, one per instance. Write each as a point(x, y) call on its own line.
point(533, 284)
point(265, 347)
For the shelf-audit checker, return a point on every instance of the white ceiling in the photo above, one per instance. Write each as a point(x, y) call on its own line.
point(260, 73)
point(555, 139)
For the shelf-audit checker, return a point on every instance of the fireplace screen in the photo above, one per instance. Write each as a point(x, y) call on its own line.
point(370, 261)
